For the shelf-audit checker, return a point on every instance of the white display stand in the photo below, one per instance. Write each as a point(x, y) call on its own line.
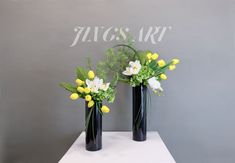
point(118, 147)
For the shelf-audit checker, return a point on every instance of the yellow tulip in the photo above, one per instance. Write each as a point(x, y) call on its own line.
point(80, 89)
point(91, 74)
point(149, 56)
point(154, 56)
point(175, 61)
point(90, 104)
point(171, 67)
point(105, 109)
point(79, 82)
point(163, 76)
point(88, 97)
point(87, 90)
point(74, 96)
point(161, 63)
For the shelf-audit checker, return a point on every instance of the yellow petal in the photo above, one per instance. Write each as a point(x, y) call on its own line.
point(79, 82)
point(149, 55)
point(171, 67)
point(88, 97)
point(80, 89)
point(175, 61)
point(161, 63)
point(105, 109)
point(91, 74)
point(154, 56)
point(90, 104)
point(163, 76)
point(74, 96)
point(87, 90)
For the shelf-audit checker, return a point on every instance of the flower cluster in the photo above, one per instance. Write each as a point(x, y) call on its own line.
point(91, 88)
point(148, 70)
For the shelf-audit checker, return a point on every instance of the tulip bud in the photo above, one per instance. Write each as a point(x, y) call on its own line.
point(163, 76)
point(74, 96)
point(90, 104)
point(161, 63)
point(91, 74)
point(105, 109)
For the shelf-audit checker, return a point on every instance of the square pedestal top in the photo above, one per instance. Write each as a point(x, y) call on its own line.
point(118, 147)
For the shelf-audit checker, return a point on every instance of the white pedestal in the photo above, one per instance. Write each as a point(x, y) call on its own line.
point(118, 147)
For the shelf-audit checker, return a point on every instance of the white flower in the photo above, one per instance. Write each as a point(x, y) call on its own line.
point(128, 71)
point(133, 69)
point(136, 66)
point(154, 84)
point(105, 86)
point(95, 84)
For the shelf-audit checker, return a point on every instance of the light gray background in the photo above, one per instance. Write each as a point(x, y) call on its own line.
point(195, 117)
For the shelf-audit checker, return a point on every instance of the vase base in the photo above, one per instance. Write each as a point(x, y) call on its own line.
point(93, 149)
point(139, 135)
point(139, 140)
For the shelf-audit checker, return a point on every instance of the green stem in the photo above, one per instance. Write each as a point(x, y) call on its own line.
point(119, 45)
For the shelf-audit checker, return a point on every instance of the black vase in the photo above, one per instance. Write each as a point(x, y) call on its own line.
point(139, 119)
point(93, 127)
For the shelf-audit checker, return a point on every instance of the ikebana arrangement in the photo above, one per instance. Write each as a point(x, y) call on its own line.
point(94, 90)
point(125, 64)
point(145, 70)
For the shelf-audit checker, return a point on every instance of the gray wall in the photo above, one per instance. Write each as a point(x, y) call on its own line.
point(195, 117)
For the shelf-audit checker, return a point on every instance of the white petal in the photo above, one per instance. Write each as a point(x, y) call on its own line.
point(131, 63)
point(88, 83)
point(127, 71)
point(136, 70)
point(154, 84)
point(137, 62)
point(105, 86)
point(97, 82)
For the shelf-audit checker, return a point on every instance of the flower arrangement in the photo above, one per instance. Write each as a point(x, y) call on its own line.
point(138, 69)
point(148, 70)
point(94, 91)
point(91, 88)
point(121, 63)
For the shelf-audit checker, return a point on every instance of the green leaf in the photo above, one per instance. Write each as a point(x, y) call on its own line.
point(162, 69)
point(81, 73)
point(153, 65)
point(69, 87)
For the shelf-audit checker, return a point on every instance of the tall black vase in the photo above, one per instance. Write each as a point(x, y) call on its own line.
point(93, 127)
point(139, 119)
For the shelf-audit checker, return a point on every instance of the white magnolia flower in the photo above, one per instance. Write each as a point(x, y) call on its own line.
point(154, 84)
point(105, 86)
point(136, 66)
point(128, 71)
point(133, 69)
point(95, 84)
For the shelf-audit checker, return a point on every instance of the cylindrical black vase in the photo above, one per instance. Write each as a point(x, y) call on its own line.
point(93, 127)
point(139, 119)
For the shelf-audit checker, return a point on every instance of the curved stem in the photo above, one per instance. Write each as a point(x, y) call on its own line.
point(126, 46)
